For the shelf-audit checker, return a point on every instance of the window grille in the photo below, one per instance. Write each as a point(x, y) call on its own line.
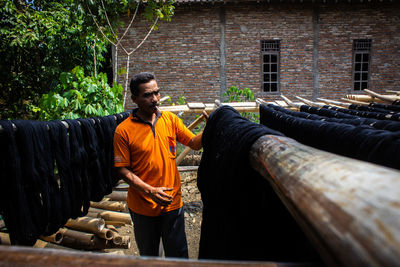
point(361, 64)
point(270, 52)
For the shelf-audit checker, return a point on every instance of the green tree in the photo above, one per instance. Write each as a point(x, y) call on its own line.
point(41, 39)
point(235, 94)
point(80, 96)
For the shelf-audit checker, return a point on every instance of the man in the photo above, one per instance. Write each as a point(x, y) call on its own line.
point(145, 152)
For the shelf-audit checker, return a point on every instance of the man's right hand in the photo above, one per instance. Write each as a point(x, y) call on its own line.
point(158, 195)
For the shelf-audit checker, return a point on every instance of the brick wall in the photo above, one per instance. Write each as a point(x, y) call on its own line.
point(185, 53)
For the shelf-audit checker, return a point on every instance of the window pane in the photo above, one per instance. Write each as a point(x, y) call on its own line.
point(356, 85)
point(274, 77)
point(358, 57)
point(365, 76)
point(365, 57)
point(266, 87)
point(365, 66)
point(274, 59)
point(266, 67)
point(274, 67)
point(357, 76)
point(358, 67)
point(364, 85)
point(266, 58)
point(266, 77)
point(274, 87)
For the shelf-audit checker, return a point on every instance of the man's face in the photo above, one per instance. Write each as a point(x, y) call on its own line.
point(148, 97)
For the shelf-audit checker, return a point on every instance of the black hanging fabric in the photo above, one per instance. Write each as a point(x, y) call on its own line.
point(243, 218)
point(362, 142)
point(367, 114)
point(49, 173)
point(395, 108)
point(340, 117)
point(372, 109)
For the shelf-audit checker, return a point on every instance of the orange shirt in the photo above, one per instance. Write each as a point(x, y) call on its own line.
point(150, 152)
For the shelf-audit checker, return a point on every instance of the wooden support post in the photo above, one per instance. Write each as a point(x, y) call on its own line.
point(186, 151)
point(350, 209)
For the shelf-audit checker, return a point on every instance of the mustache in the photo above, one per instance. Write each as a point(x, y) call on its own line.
point(156, 104)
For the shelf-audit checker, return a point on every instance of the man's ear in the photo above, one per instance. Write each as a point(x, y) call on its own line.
point(133, 97)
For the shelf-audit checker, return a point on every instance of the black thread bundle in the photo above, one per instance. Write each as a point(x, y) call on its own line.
point(243, 218)
point(360, 138)
point(49, 174)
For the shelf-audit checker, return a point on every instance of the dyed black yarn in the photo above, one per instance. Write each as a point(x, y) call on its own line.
point(395, 108)
point(50, 173)
point(243, 218)
point(362, 142)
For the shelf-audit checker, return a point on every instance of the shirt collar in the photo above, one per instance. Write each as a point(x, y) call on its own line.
point(135, 117)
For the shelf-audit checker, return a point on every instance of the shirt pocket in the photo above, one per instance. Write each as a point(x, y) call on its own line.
point(172, 147)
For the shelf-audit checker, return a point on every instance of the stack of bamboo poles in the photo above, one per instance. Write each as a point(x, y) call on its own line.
point(97, 230)
point(349, 99)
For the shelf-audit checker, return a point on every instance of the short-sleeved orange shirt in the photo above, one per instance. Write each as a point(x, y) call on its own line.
point(150, 152)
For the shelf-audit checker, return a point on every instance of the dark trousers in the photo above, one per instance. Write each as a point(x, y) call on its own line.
point(170, 227)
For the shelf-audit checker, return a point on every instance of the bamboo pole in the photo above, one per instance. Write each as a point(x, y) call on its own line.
point(393, 92)
point(113, 215)
point(386, 98)
point(25, 256)
point(355, 101)
point(109, 205)
point(186, 151)
point(5, 239)
point(333, 102)
point(348, 208)
point(310, 103)
point(87, 224)
point(54, 238)
point(92, 214)
point(77, 237)
point(365, 98)
point(117, 195)
point(290, 102)
point(40, 244)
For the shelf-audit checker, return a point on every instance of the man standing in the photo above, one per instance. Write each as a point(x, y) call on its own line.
point(145, 152)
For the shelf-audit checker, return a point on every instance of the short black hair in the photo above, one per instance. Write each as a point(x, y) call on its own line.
point(138, 79)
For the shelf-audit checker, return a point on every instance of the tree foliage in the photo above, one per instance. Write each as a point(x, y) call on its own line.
point(41, 39)
point(80, 96)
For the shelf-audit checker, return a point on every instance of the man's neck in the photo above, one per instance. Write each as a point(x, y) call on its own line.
point(146, 117)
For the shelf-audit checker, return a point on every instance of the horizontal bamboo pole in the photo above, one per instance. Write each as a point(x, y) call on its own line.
point(239, 106)
point(109, 205)
point(25, 256)
point(367, 98)
point(350, 209)
point(87, 224)
point(117, 195)
point(78, 237)
point(113, 215)
point(105, 233)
